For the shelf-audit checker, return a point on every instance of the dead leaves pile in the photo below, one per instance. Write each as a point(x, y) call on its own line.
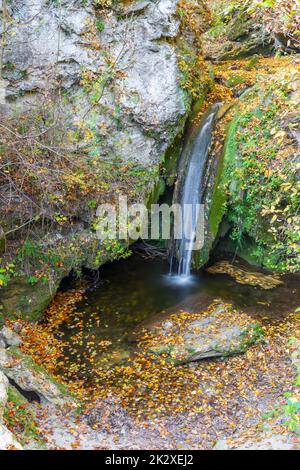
point(240, 275)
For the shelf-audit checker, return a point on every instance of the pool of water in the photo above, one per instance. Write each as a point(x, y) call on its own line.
point(133, 290)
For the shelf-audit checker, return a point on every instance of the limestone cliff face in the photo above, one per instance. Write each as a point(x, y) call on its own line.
point(124, 55)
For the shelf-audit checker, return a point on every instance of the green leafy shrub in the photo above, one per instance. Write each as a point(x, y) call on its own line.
point(262, 176)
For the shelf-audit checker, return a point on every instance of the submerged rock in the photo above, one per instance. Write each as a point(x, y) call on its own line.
point(217, 332)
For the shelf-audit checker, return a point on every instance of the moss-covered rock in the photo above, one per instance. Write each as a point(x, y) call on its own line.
point(236, 33)
point(260, 177)
point(214, 197)
point(20, 300)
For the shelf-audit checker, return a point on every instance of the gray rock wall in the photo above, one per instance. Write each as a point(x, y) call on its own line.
point(49, 48)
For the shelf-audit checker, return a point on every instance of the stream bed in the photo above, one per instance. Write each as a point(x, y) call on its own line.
point(134, 290)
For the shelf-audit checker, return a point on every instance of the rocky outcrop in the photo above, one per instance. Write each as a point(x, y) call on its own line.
point(22, 371)
point(9, 337)
point(29, 377)
point(218, 332)
point(20, 299)
point(242, 29)
point(7, 440)
point(23, 381)
point(106, 90)
point(271, 442)
point(72, 47)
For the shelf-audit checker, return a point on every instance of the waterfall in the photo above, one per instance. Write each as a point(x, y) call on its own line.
point(190, 191)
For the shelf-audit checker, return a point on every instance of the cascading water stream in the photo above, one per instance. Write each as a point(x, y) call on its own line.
point(195, 155)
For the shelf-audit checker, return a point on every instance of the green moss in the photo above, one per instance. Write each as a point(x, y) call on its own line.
point(100, 25)
point(215, 200)
point(251, 335)
point(15, 396)
point(252, 63)
point(15, 352)
point(227, 161)
point(20, 418)
point(156, 192)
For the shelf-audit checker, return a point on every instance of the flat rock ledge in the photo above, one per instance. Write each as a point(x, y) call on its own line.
point(184, 337)
point(29, 377)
